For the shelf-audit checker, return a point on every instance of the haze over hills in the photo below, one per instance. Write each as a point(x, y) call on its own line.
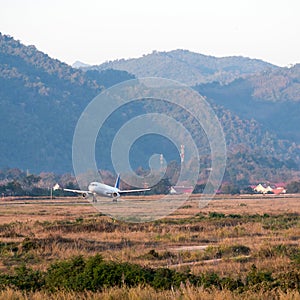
point(188, 67)
point(266, 81)
point(41, 100)
point(78, 64)
point(251, 88)
point(272, 98)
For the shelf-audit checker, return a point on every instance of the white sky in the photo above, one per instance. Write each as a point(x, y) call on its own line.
point(94, 31)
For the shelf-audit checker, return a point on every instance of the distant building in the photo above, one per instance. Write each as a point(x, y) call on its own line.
point(261, 189)
point(280, 184)
point(277, 189)
point(176, 190)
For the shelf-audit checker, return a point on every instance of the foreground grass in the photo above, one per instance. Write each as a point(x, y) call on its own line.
point(95, 275)
point(250, 251)
point(146, 293)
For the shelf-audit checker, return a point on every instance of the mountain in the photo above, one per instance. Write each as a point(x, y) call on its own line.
point(279, 85)
point(42, 98)
point(272, 98)
point(188, 67)
point(78, 64)
point(248, 90)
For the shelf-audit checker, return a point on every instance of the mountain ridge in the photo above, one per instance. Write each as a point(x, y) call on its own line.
point(188, 67)
point(41, 100)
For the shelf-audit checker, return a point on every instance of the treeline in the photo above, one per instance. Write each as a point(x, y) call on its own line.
point(94, 274)
point(14, 188)
point(293, 187)
point(15, 182)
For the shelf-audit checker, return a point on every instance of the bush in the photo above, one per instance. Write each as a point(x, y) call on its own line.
point(66, 274)
point(29, 244)
point(256, 277)
point(216, 215)
point(290, 280)
point(293, 187)
point(234, 216)
point(94, 274)
point(27, 279)
point(226, 251)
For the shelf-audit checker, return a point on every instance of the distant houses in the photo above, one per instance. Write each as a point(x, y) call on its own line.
point(277, 189)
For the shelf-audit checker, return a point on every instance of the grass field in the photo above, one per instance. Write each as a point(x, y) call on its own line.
point(230, 237)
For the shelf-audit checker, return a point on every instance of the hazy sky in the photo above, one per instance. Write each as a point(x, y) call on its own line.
point(94, 31)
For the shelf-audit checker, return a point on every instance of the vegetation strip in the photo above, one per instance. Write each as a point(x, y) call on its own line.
point(95, 274)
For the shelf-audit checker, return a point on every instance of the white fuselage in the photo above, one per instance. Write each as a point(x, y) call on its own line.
point(102, 189)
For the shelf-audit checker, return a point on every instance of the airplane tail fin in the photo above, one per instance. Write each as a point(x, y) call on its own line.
point(117, 184)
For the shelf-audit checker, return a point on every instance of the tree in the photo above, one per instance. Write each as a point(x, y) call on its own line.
point(29, 181)
point(230, 189)
point(248, 190)
point(199, 188)
point(14, 188)
point(293, 187)
point(162, 187)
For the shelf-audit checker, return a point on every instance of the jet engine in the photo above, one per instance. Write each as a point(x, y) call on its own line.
point(85, 195)
point(115, 195)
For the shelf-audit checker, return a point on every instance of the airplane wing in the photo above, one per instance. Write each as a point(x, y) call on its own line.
point(57, 187)
point(133, 191)
point(77, 191)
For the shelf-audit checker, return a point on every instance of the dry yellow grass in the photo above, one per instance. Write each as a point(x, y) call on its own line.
point(142, 293)
point(65, 227)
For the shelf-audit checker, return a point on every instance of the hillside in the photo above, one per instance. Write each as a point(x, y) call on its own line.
point(272, 98)
point(277, 85)
point(42, 98)
point(188, 67)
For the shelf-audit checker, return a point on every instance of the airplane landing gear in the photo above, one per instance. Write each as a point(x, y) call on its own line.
point(94, 198)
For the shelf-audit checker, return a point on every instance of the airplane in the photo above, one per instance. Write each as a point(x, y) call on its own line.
point(101, 189)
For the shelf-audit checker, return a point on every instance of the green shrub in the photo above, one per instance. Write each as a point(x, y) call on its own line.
point(94, 274)
point(27, 279)
point(234, 216)
point(226, 251)
point(231, 284)
point(210, 280)
point(216, 215)
point(29, 244)
point(256, 277)
point(66, 274)
point(290, 280)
